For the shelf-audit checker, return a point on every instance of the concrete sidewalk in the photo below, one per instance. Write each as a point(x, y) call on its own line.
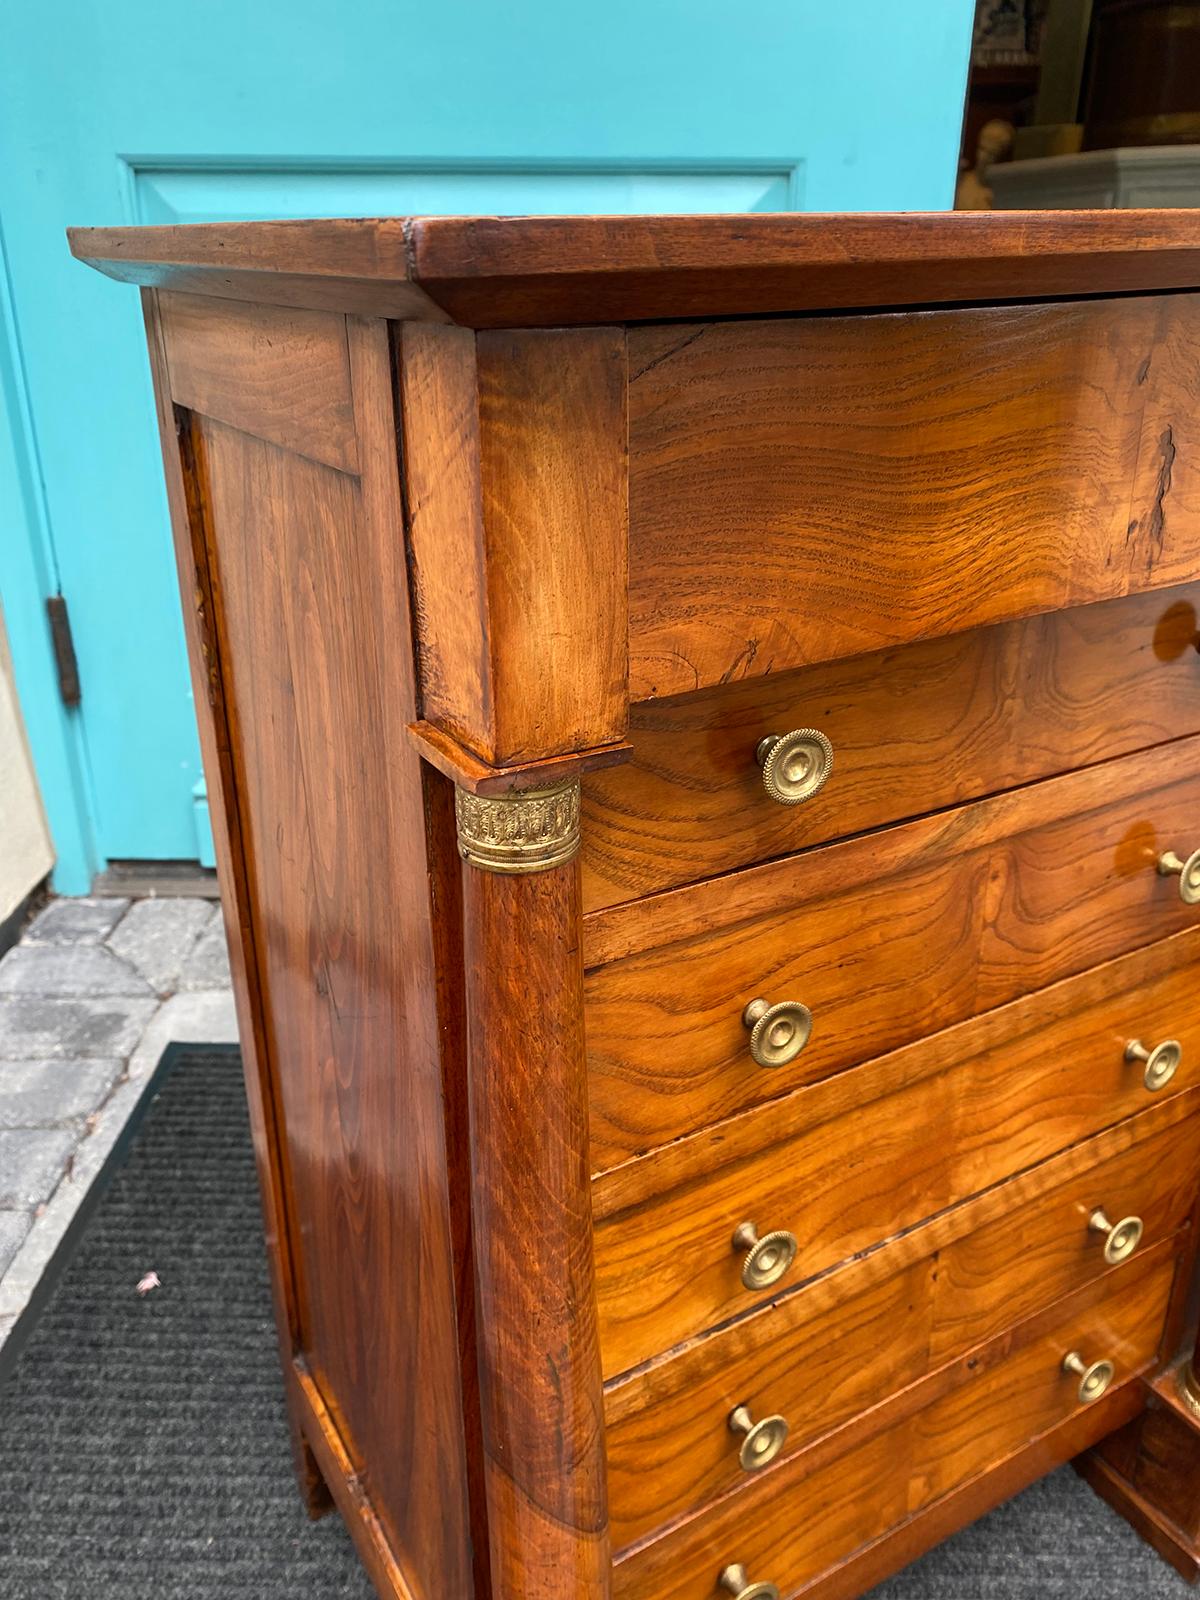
point(89, 999)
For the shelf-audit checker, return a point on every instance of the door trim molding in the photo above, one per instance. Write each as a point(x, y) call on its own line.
point(148, 176)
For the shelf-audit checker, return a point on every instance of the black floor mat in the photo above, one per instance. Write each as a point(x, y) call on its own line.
point(143, 1446)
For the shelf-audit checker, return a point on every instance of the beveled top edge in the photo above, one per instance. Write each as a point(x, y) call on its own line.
point(333, 247)
point(497, 271)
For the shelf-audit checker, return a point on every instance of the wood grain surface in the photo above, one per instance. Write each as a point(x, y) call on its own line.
point(862, 1272)
point(551, 269)
point(548, 271)
point(804, 1519)
point(842, 1180)
point(552, 466)
point(371, 1539)
point(543, 1424)
point(907, 1540)
point(514, 451)
point(808, 489)
point(436, 386)
point(185, 500)
point(309, 615)
point(446, 918)
point(283, 376)
point(1149, 1471)
point(670, 1449)
point(886, 938)
point(1148, 994)
point(913, 729)
point(467, 771)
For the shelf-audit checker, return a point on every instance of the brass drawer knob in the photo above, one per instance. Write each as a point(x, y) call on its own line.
point(768, 1258)
point(1162, 1062)
point(761, 1441)
point(778, 1032)
point(1169, 864)
point(1123, 1237)
point(794, 765)
point(1093, 1380)
point(734, 1579)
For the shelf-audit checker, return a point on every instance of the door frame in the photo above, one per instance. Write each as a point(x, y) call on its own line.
point(28, 578)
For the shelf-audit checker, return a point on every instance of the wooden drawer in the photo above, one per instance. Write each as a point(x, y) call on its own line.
point(829, 1352)
point(805, 489)
point(816, 1509)
point(845, 1164)
point(913, 730)
point(886, 938)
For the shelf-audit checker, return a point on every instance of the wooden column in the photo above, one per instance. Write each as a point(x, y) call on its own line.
point(541, 1390)
point(515, 484)
point(1189, 1380)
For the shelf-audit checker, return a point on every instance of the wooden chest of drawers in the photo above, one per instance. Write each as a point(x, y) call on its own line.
point(703, 720)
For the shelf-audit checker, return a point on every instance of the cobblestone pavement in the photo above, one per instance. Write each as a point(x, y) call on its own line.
point(89, 999)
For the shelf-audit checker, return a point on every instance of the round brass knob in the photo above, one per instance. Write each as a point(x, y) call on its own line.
point(1123, 1237)
point(778, 1032)
point(739, 1586)
point(794, 765)
point(1093, 1380)
point(1189, 874)
point(1162, 1062)
point(768, 1258)
point(761, 1441)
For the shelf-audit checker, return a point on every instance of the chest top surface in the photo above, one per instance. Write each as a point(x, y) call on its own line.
point(542, 271)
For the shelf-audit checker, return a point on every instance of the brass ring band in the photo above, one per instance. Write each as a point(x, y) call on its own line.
point(529, 830)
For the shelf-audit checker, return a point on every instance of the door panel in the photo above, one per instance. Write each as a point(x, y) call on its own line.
point(134, 113)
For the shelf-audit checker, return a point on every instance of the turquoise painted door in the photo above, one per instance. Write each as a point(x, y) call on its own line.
point(136, 111)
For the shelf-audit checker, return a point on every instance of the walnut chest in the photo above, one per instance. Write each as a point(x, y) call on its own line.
point(703, 722)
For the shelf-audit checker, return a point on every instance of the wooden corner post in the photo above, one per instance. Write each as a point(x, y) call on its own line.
point(540, 1384)
point(514, 466)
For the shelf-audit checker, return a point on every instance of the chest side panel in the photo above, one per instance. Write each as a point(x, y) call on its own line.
point(304, 550)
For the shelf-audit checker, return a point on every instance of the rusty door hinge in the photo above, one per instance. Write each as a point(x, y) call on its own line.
point(64, 650)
